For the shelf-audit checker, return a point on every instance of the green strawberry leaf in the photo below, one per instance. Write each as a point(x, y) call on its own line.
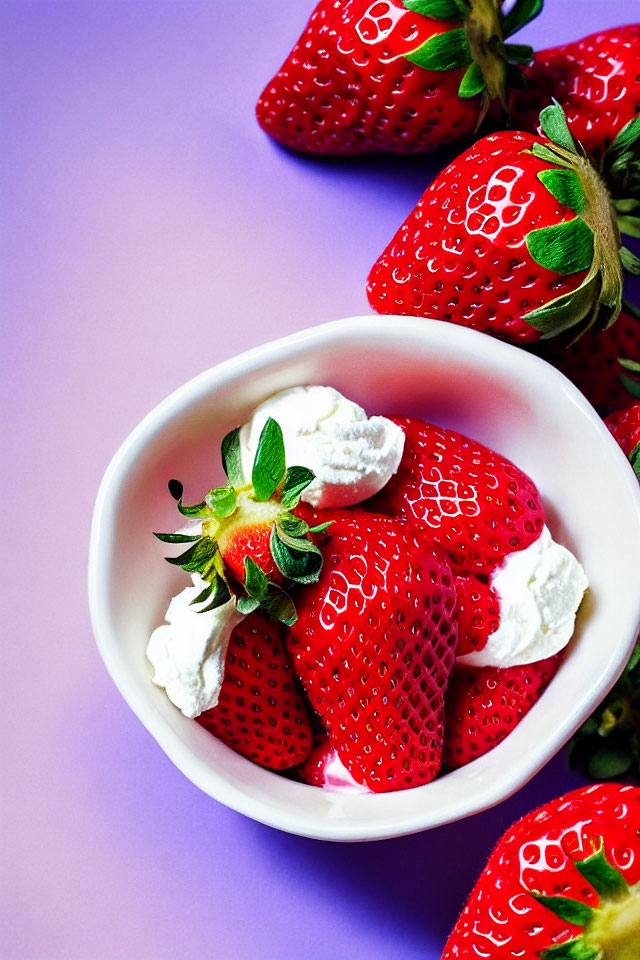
point(246, 605)
point(626, 137)
point(222, 501)
point(219, 595)
point(472, 83)
point(630, 262)
point(293, 526)
point(634, 459)
point(296, 558)
point(437, 9)
point(197, 557)
point(631, 386)
point(204, 594)
point(320, 527)
point(445, 51)
point(566, 187)
point(269, 464)
point(518, 52)
point(543, 152)
point(297, 480)
point(577, 949)
point(176, 537)
point(611, 760)
point(255, 580)
point(554, 126)
point(573, 911)
point(566, 311)
point(280, 606)
point(629, 225)
point(521, 13)
point(231, 459)
point(565, 248)
point(603, 877)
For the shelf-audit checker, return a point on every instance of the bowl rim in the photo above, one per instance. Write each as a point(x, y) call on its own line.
point(376, 328)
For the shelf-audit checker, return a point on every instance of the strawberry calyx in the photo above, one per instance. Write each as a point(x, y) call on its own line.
point(476, 41)
point(250, 542)
point(621, 169)
point(611, 930)
point(589, 242)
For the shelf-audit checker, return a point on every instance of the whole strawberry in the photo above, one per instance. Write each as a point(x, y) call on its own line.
point(475, 504)
point(518, 237)
point(394, 76)
point(595, 80)
point(373, 646)
point(563, 883)
point(260, 714)
point(247, 542)
point(483, 705)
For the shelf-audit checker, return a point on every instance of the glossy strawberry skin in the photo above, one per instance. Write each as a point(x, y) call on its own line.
point(483, 705)
point(478, 612)
point(591, 363)
point(501, 920)
point(596, 80)
point(260, 714)
point(475, 504)
point(461, 254)
point(625, 426)
point(373, 646)
point(347, 89)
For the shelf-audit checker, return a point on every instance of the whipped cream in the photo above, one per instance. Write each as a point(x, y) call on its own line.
point(540, 589)
point(352, 455)
point(188, 652)
point(338, 779)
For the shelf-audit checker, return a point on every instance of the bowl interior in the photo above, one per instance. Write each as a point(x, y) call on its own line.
point(493, 392)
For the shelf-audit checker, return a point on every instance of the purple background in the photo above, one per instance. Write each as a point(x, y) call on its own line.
point(151, 230)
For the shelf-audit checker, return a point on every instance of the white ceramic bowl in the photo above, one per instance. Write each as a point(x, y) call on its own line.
point(493, 392)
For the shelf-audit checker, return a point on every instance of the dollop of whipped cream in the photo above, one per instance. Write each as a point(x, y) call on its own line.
point(540, 589)
point(188, 652)
point(352, 455)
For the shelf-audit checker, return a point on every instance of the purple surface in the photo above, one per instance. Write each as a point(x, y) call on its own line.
point(151, 230)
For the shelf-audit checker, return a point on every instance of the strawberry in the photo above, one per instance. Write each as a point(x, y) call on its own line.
point(393, 76)
point(259, 713)
point(562, 882)
point(625, 426)
point(373, 646)
point(592, 361)
point(475, 504)
point(250, 543)
point(478, 613)
point(483, 706)
point(323, 768)
point(518, 237)
point(596, 81)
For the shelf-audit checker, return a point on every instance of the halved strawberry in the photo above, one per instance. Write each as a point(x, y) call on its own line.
point(484, 704)
point(251, 543)
point(260, 714)
point(518, 237)
point(373, 646)
point(475, 504)
point(387, 75)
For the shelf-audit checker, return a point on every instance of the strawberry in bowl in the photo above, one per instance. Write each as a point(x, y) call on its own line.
point(376, 604)
point(471, 384)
